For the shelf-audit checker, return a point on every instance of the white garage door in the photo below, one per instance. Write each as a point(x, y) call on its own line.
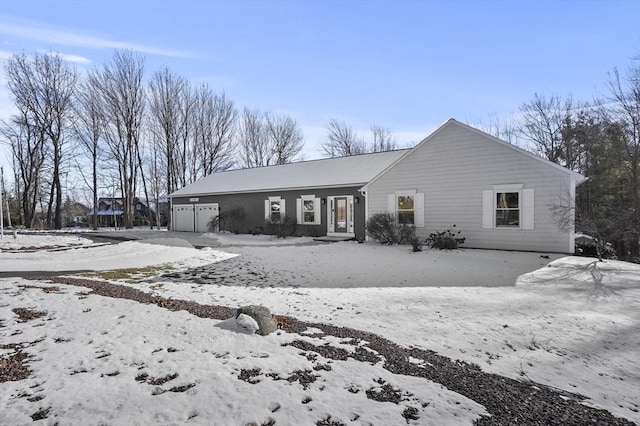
point(204, 213)
point(183, 217)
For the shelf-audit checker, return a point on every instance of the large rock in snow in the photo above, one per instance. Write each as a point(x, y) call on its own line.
point(262, 316)
point(245, 322)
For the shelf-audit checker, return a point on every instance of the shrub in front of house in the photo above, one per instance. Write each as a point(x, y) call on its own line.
point(445, 240)
point(256, 230)
point(408, 236)
point(406, 233)
point(381, 227)
point(230, 220)
point(281, 227)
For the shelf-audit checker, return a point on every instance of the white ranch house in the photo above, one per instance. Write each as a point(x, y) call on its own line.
point(498, 195)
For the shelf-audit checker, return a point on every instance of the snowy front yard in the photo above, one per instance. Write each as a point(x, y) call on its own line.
point(573, 325)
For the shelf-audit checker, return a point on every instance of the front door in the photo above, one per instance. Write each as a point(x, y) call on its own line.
point(340, 212)
point(340, 216)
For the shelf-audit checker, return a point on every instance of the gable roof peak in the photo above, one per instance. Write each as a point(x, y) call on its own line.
point(579, 178)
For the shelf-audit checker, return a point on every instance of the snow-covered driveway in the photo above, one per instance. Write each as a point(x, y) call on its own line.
point(265, 261)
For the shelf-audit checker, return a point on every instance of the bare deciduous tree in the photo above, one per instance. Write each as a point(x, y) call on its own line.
point(157, 175)
point(252, 139)
point(625, 99)
point(214, 125)
point(342, 140)
point(88, 127)
point(624, 112)
point(544, 124)
point(285, 138)
point(27, 148)
point(506, 129)
point(266, 139)
point(119, 83)
point(42, 86)
point(166, 96)
point(382, 140)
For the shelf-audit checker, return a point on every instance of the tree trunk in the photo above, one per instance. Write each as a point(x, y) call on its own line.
point(95, 191)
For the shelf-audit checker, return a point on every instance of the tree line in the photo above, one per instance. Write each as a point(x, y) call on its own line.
point(139, 137)
point(133, 135)
point(136, 135)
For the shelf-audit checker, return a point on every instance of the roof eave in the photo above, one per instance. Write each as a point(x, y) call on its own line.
point(260, 191)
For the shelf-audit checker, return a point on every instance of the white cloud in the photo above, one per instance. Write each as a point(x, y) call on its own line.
point(77, 59)
point(38, 32)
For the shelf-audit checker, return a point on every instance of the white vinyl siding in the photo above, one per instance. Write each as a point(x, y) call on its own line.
point(487, 209)
point(419, 209)
point(454, 168)
point(308, 210)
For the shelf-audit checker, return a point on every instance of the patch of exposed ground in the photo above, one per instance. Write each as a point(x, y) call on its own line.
point(13, 366)
point(235, 271)
point(26, 314)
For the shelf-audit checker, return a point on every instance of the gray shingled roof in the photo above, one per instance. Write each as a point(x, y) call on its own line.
point(330, 172)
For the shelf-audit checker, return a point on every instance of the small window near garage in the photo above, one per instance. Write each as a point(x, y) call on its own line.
point(508, 209)
point(405, 209)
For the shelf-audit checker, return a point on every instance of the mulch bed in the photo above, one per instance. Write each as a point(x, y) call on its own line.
point(509, 401)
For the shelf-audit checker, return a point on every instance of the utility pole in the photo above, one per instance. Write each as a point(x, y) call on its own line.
point(3, 193)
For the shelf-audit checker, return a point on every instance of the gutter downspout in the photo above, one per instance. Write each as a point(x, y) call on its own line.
point(363, 192)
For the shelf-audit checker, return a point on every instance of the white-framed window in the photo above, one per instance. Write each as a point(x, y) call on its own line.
point(308, 210)
point(274, 208)
point(405, 209)
point(508, 206)
point(507, 209)
point(408, 207)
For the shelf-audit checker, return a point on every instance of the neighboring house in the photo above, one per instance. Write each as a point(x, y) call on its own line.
point(110, 212)
point(498, 195)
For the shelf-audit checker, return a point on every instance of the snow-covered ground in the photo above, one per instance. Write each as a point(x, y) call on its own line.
point(573, 324)
point(86, 255)
point(37, 241)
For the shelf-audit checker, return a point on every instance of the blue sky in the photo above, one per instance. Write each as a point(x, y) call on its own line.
point(405, 65)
